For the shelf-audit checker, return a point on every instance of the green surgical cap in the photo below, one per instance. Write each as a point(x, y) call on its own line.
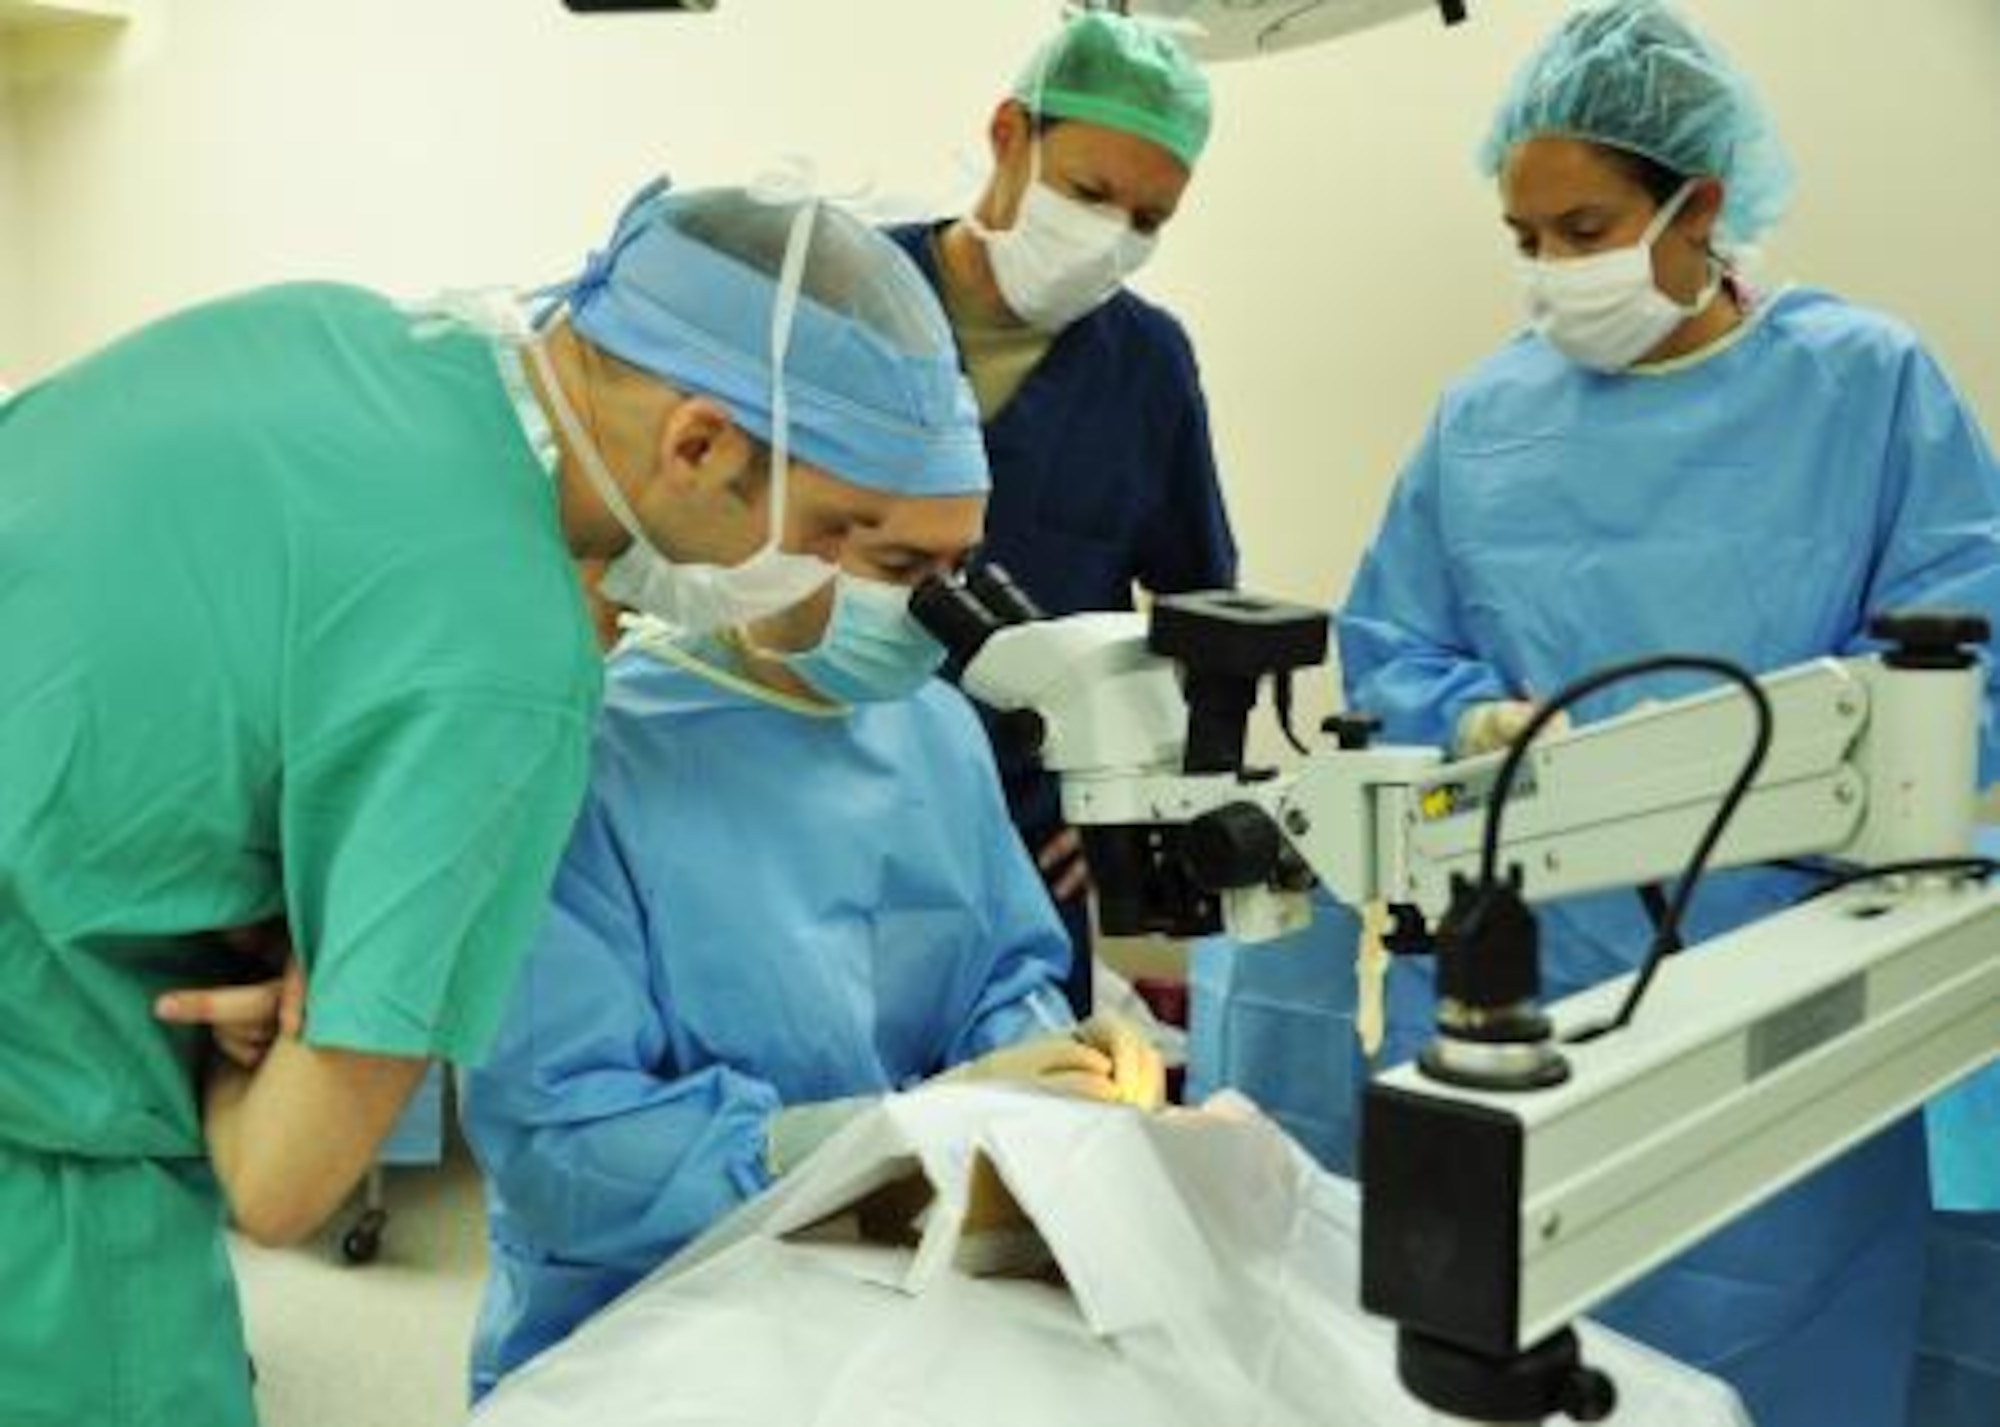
point(1125, 74)
point(1637, 75)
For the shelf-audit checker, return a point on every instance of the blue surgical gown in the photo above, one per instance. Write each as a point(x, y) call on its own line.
point(759, 907)
point(1103, 477)
point(1964, 1130)
point(1761, 505)
point(1958, 1350)
point(1276, 1021)
point(1958, 1358)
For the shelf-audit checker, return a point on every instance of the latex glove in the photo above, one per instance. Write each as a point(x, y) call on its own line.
point(246, 1020)
point(1064, 1064)
point(1106, 1058)
point(1136, 1068)
point(1487, 727)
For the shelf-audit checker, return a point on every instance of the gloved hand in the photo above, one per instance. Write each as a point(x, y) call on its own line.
point(1059, 1063)
point(1106, 1058)
point(1487, 727)
point(1136, 1068)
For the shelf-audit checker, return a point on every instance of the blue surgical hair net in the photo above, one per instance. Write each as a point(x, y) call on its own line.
point(686, 290)
point(1637, 75)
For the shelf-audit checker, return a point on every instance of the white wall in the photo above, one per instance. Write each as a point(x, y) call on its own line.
point(15, 339)
point(1338, 259)
point(411, 146)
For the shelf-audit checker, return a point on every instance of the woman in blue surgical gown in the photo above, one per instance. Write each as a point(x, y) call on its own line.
point(1670, 460)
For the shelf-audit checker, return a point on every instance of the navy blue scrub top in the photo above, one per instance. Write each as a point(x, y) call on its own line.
point(1103, 476)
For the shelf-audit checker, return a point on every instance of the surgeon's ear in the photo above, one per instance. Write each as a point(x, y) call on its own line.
point(1699, 214)
point(1011, 133)
point(701, 448)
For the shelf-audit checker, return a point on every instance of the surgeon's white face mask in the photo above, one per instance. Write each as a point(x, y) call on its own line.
point(1061, 258)
point(697, 598)
point(1605, 311)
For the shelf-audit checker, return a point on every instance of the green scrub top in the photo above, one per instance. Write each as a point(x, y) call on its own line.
point(287, 626)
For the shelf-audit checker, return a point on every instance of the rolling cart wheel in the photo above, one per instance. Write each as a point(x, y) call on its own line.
point(363, 1242)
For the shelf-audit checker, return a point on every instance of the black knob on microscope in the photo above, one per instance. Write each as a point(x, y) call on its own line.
point(1020, 732)
point(1236, 845)
point(1353, 732)
point(1931, 638)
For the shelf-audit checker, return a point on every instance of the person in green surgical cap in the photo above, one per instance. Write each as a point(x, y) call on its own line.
point(1103, 472)
point(295, 655)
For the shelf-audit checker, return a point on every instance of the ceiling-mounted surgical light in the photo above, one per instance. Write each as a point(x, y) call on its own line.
point(1241, 29)
point(639, 7)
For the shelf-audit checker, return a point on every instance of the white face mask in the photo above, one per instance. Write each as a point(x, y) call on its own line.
point(1605, 311)
point(1062, 258)
point(701, 599)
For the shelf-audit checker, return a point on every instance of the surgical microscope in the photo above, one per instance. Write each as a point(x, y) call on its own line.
point(1534, 1160)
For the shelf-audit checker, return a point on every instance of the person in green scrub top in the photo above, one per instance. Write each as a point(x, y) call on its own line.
point(291, 652)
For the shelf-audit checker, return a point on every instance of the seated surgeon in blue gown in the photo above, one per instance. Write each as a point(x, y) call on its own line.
point(1103, 473)
point(1670, 461)
point(793, 888)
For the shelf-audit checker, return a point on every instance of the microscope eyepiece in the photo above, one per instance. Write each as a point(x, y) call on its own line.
point(965, 608)
point(954, 617)
point(1007, 601)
